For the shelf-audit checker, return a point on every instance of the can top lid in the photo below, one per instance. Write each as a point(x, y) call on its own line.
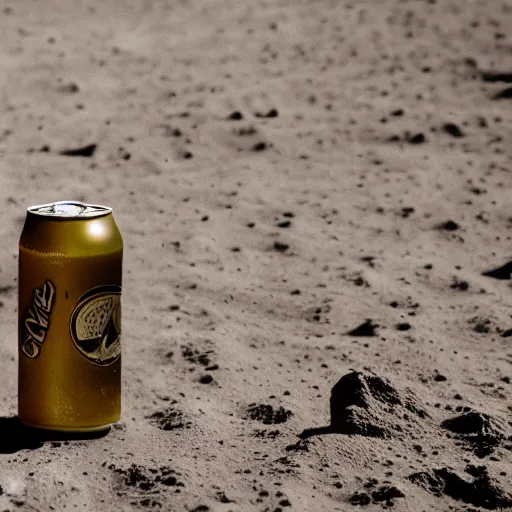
point(70, 210)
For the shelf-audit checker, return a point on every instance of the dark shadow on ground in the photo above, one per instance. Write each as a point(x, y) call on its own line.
point(318, 431)
point(15, 436)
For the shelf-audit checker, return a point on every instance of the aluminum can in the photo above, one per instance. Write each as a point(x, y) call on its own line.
point(69, 317)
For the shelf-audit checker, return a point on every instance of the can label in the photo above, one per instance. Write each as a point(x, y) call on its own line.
point(36, 320)
point(95, 324)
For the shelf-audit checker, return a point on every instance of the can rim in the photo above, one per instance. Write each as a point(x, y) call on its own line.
point(99, 212)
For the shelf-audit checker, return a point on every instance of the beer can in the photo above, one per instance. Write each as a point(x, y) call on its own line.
point(69, 317)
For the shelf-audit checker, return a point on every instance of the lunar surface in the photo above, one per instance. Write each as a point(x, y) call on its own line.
point(314, 198)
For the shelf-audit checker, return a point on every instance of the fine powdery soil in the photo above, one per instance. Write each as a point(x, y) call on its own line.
point(314, 197)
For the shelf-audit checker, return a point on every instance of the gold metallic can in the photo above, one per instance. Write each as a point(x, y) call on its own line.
point(69, 317)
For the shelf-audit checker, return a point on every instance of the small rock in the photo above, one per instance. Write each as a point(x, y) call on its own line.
point(271, 113)
point(206, 379)
point(453, 130)
point(260, 146)
point(360, 498)
point(449, 225)
point(85, 151)
point(418, 138)
point(70, 88)
point(367, 328)
point(267, 414)
point(280, 247)
point(235, 116)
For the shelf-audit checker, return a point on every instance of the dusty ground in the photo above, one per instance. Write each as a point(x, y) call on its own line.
point(281, 172)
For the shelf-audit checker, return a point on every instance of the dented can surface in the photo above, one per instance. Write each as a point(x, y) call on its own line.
point(69, 317)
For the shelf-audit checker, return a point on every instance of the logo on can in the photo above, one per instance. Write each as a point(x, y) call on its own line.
point(95, 324)
point(36, 320)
